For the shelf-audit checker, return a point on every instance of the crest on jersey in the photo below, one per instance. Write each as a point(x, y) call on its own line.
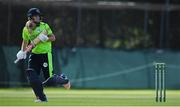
point(38, 30)
point(45, 64)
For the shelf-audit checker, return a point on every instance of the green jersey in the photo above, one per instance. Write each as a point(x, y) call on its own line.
point(42, 47)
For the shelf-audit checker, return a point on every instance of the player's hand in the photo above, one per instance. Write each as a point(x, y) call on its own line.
point(30, 25)
point(29, 47)
point(21, 55)
point(43, 37)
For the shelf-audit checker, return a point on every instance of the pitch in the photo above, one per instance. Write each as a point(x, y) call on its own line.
point(75, 97)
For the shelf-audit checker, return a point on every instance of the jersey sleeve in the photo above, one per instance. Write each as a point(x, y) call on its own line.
point(25, 34)
point(49, 31)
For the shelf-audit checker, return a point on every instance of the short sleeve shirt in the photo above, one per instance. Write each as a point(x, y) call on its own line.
point(42, 47)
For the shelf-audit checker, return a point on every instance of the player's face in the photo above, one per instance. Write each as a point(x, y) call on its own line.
point(36, 19)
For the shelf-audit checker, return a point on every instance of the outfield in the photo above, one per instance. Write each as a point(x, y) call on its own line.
point(61, 97)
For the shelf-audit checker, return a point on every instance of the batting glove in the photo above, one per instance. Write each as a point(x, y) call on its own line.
point(21, 55)
point(43, 37)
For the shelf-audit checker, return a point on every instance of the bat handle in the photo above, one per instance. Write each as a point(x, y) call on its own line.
point(16, 61)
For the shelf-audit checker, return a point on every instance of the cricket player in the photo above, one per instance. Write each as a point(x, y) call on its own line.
point(37, 38)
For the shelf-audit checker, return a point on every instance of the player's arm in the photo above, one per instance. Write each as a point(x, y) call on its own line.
point(47, 35)
point(42, 37)
point(51, 37)
point(24, 45)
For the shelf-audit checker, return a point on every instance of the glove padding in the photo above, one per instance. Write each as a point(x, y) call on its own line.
point(21, 55)
point(43, 37)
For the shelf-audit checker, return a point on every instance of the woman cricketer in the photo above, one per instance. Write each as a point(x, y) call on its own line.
point(37, 38)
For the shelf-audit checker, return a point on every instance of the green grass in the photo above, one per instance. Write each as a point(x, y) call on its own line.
point(61, 97)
